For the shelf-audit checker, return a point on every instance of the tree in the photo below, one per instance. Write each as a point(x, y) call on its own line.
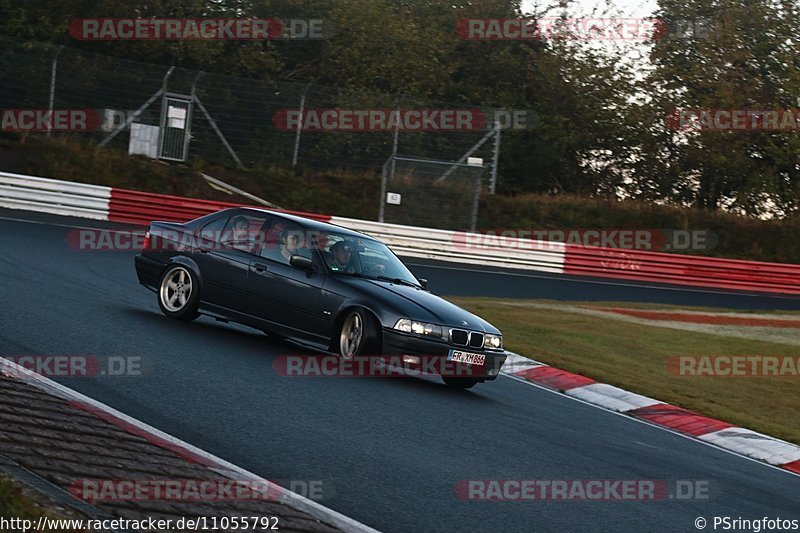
point(741, 55)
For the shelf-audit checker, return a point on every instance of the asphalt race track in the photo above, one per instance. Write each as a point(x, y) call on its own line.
point(389, 452)
point(458, 280)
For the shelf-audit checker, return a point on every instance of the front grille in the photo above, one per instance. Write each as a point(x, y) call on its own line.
point(476, 340)
point(459, 337)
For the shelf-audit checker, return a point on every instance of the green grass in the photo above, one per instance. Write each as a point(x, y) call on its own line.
point(634, 357)
point(660, 307)
point(59, 158)
point(14, 503)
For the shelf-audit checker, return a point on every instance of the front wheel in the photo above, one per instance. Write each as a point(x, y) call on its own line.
point(178, 293)
point(460, 383)
point(358, 335)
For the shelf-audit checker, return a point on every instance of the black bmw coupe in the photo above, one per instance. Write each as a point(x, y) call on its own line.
point(322, 284)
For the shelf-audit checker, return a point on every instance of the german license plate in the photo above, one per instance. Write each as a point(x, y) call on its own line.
point(468, 358)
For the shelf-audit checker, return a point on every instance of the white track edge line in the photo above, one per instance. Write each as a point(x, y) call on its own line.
point(202, 453)
point(293, 500)
point(647, 423)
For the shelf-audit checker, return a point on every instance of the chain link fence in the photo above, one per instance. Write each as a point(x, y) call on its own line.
point(430, 193)
point(181, 115)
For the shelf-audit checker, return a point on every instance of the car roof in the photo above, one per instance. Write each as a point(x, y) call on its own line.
point(308, 223)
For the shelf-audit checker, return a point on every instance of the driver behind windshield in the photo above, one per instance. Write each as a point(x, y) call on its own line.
point(341, 257)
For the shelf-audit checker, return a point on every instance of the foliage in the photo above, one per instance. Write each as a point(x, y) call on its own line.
point(600, 111)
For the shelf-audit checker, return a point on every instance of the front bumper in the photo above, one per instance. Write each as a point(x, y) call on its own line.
point(433, 355)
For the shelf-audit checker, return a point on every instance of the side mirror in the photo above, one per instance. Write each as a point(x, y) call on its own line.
point(423, 283)
point(301, 262)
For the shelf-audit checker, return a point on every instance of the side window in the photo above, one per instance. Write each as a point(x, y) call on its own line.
point(243, 232)
point(212, 232)
point(350, 255)
point(284, 240)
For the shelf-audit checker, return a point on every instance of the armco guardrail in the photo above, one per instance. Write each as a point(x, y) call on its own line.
point(136, 207)
point(140, 208)
point(446, 245)
point(120, 205)
point(682, 269)
point(54, 196)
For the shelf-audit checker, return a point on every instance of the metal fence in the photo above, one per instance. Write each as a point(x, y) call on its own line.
point(180, 115)
point(430, 193)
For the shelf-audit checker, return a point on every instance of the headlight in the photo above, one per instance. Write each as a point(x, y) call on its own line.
point(420, 328)
point(493, 342)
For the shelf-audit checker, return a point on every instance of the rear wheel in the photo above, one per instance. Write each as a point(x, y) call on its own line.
point(178, 293)
point(460, 383)
point(358, 335)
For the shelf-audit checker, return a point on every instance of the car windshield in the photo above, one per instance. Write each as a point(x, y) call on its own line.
point(358, 256)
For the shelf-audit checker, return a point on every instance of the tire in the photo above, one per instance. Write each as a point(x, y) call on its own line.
point(358, 335)
point(179, 293)
point(460, 383)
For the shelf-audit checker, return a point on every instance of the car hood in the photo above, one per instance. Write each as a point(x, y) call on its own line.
point(418, 304)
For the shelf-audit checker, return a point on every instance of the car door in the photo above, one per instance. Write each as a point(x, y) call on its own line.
point(224, 262)
point(284, 294)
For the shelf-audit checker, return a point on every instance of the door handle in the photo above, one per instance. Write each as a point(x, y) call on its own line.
point(203, 250)
point(259, 267)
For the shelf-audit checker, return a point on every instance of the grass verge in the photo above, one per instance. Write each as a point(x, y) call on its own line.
point(634, 357)
point(17, 503)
